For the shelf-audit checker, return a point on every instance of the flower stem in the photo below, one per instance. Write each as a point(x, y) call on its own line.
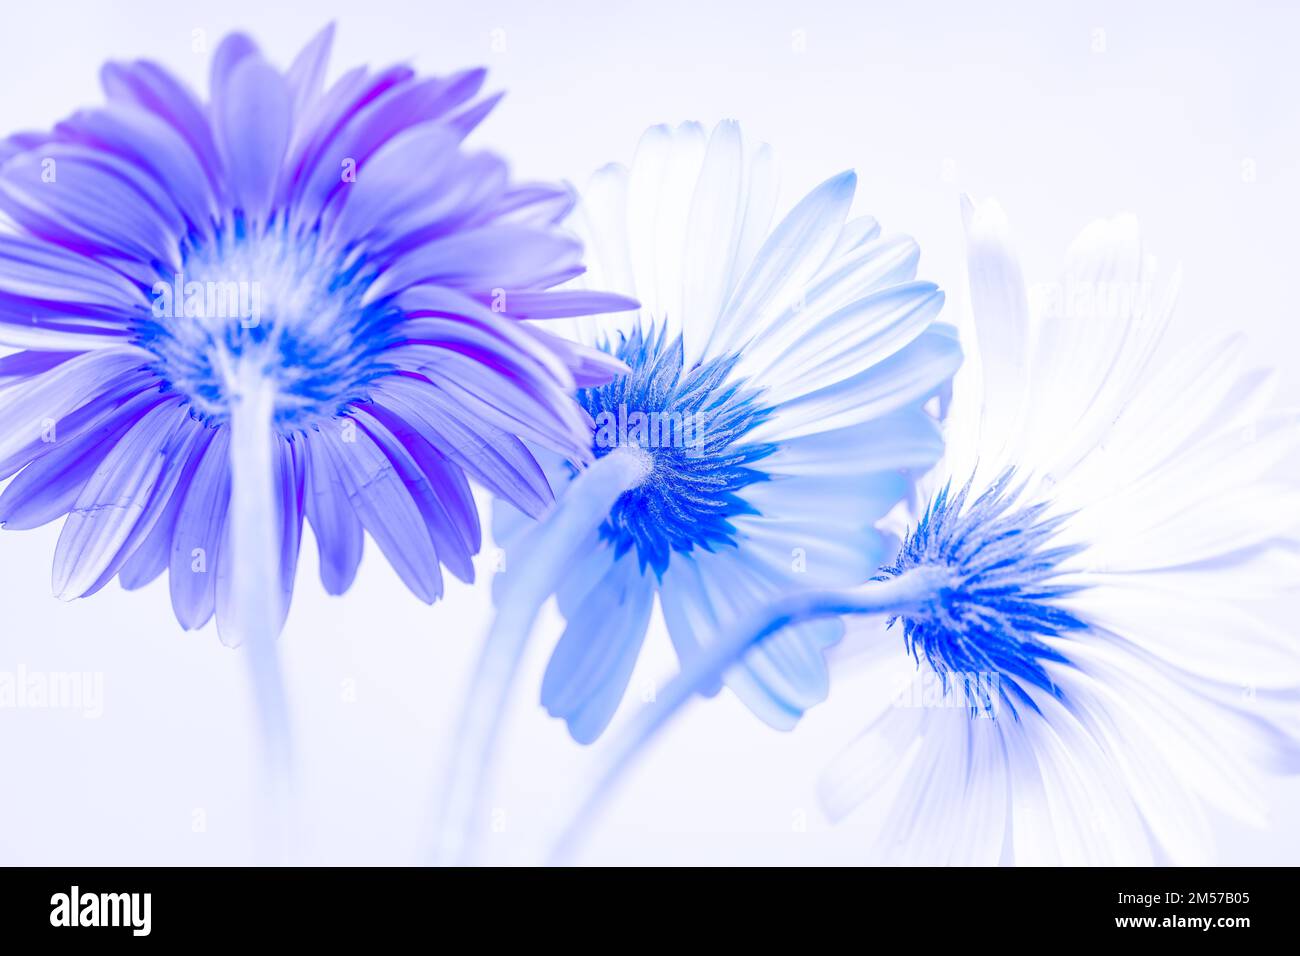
point(891, 595)
point(545, 554)
point(255, 585)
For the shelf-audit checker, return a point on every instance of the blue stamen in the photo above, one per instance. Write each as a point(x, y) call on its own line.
point(691, 433)
point(1001, 600)
point(313, 332)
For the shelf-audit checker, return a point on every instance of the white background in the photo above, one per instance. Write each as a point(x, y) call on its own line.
point(1186, 114)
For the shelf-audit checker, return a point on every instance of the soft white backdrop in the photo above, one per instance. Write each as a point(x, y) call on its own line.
point(1183, 113)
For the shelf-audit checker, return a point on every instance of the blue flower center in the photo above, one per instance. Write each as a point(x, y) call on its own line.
point(983, 633)
point(690, 426)
point(293, 308)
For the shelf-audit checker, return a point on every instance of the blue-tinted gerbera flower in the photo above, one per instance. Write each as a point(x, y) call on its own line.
point(1092, 676)
point(1074, 669)
point(774, 411)
point(775, 399)
point(289, 302)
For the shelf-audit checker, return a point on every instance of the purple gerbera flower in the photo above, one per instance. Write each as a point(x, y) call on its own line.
point(289, 302)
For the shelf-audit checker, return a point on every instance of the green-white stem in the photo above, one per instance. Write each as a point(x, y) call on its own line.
point(889, 596)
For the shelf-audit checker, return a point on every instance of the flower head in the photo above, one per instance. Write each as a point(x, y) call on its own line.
point(1000, 597)
point(776, 399)
point(332, 255)
point(1092, 676)
point(692, 436)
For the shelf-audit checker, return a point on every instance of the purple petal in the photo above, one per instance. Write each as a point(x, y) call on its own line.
point(316, 161)
point(92, 205)
point(178, 450)
point(401, 175)
point(306, 75)
point(440, 316)
point(587, 365)
point(464, 198)
point(49, 487)
point(446, 478)
point(153, 553)
point(447, 539)
point(252, 115)
point(411, 104)
point(196, 540)
point(30, 408)
point(490, 257)
point(565, 303)
point(466, 121)
point(334, 521)
point(150, 86)
point(496, 459)
point(385, 508)
point(506, 395)
point(23, 365)
point(233, 49)
point(32, 269)
point(154, 146)
point(112, 501)
point(539, 205)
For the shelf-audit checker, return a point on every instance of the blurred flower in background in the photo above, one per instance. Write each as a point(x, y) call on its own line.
point(1090, 675)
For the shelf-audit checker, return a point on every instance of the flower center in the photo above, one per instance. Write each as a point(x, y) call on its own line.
point(688, 427)
point(983, 633)
point(285, 305)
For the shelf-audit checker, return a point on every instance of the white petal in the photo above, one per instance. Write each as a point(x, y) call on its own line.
point(1001, 312)
point(791, 256)
point(712, 232)
point(672, 221)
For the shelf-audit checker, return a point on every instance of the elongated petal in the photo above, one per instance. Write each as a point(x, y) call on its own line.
point(152, 555)
point(790, 257)
point(252, 116)
point(592, 664)
point(196, 539)
point(49, 487)
point(37, 405)
point(339, 536)
point(112, 502)
point(306, 75)
point(386, 508)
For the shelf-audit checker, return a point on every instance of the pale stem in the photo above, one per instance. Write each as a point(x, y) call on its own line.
point(541, 559)
point(255, 530)
point(891, 595)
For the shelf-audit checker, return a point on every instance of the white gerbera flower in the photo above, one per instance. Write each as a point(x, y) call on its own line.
point(1123, 511)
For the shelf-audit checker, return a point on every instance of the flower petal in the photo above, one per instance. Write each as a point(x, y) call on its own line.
point(114, 499)
point(252, 114)
point(591, 665)
point(339, 536)
point(197, 538)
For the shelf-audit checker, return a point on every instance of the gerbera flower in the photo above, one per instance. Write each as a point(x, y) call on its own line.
point(1074, 670)
point(289, 302)
point(773, 413)
point(1093, 664)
